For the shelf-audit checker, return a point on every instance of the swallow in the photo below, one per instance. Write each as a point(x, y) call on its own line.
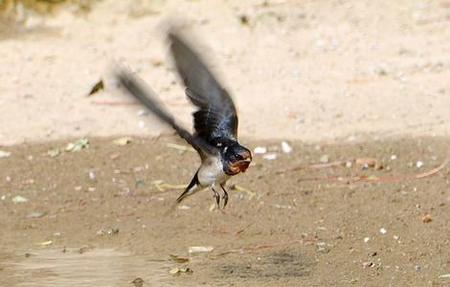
point(215, 136)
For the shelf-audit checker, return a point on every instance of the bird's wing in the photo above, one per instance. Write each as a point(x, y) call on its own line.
point(148, 98)
point(216, 116)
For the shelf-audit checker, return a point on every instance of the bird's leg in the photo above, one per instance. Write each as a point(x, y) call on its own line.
point(225, 196)
point(216, 196)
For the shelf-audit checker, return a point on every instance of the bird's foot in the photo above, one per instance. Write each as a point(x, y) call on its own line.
point(217, 197)
point(224, 196)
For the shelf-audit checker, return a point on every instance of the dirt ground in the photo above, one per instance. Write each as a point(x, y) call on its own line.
point(316, 70)
point(359, 88)
point(299, 220)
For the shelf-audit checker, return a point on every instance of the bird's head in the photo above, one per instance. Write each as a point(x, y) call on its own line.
point(237, 159)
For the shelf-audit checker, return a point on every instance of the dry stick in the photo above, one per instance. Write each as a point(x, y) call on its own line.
point(385, 179)
point(433, 171)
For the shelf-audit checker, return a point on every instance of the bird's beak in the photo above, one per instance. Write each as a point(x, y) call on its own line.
point(242, 165)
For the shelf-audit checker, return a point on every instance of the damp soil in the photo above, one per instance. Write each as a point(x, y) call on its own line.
point(373, 213)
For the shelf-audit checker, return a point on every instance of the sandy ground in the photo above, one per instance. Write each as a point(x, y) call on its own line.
point(345, 82)
point(316, 70)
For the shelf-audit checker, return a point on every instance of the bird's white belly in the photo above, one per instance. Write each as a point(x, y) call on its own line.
point(211, 172)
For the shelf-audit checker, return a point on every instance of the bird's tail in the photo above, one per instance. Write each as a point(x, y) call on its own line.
point(192, 188)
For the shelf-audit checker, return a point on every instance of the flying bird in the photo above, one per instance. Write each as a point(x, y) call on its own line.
point(215, 120)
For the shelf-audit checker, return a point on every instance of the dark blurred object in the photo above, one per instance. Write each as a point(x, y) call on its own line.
point(97, 87)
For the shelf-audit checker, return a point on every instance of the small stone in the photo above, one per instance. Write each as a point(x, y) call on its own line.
point(366, 239)
point(123, 141)
point(270, 156)
point(19, 199)
point(393, 157)
point(324, 158)
point(260, 150)
point(108, 231)
point(383, 230)
point(4, 154)
point(427, 218)
point(54, 152)
point(142, 113)
point(419, 164)
point(286, 147)
point(92, 176)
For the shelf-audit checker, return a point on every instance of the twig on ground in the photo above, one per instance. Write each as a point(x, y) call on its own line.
point(374, 178)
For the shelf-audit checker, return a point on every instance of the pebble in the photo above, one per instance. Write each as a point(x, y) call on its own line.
point(4, 154)
point(383, 230)
point(419, 164)
point(286, 147)
point(427, 218)
point(108, 231)
point(92, 176)
point(260, 150)
point(19, 199)
point(270, 156)
point(324, 158)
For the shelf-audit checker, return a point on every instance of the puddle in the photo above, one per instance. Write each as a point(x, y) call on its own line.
point(96, 267)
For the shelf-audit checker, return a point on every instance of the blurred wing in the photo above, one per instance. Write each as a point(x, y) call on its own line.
point(148, 98)
point(216, 116)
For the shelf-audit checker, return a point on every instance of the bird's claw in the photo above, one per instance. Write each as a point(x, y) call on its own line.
point(225, 198)
point(217, 197)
